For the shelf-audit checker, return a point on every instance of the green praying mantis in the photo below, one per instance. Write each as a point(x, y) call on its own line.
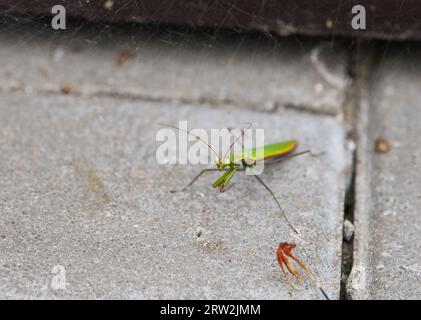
point(230, 164)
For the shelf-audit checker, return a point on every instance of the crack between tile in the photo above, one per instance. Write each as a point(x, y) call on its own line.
point(350, 108)
point(359, 66)
point(137, 94)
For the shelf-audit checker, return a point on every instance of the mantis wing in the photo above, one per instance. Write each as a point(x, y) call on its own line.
point(269, 151)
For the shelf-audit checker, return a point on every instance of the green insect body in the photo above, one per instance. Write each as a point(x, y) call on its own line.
point(247, 158)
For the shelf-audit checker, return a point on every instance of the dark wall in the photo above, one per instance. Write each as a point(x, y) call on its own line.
point(385, 18)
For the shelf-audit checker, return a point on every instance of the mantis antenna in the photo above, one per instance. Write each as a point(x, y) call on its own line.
point(243, 131)
point(188, 132)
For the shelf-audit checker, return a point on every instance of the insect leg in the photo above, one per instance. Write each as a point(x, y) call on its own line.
point(223, 186)
point(309, 273)
point(194, 179)
point(223, 181)
point(277, 202)
point(229, 187)
point(323, 292)
point(286, 275)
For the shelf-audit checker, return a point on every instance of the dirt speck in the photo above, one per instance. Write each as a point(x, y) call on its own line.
point(109, 4)
point(205, 241)
point(329, 24)
point(124, 56)
point(66, 88)
point(211, 246)
point(96, 186)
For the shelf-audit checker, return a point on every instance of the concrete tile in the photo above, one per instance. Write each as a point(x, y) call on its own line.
point(254, 71)
point(80, 188)
point(387, 260)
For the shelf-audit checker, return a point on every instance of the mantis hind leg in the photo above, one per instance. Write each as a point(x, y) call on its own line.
point(277, 202)
point(194, 179)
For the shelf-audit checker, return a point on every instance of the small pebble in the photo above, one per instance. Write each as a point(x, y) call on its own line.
point(348, 230)
point(381, 146)
point(318, 87)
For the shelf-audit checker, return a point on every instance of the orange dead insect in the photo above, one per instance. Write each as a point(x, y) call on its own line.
point(283, 255)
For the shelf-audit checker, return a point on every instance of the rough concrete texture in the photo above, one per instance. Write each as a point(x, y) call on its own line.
point(80, 188)
point(387, 260)
point(258, 71)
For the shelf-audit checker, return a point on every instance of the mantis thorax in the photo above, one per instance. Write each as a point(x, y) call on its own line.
point(222, 164)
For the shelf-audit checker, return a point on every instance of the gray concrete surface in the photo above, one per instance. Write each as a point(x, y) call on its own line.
point(80, 188)
point(387, 258)
point(260, 72)
point(81, 192)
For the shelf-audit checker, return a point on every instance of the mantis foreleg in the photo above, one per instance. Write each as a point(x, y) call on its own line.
point(195, 178)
